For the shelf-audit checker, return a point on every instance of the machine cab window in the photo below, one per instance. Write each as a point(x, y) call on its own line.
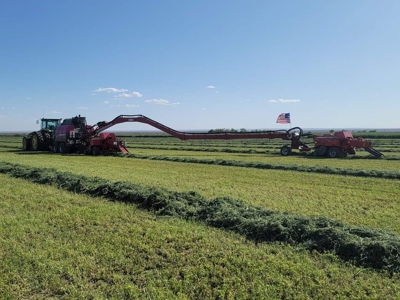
point(49, 124)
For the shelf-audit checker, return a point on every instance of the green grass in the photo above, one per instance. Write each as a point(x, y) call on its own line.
point(364, 247)
point(276, 158)
point(369, 202)
point(56, 244)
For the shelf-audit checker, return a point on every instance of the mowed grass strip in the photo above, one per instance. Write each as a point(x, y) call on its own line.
point(369, 202)
point(273, 166)
point(359, 161)
point(366, 247)
point(10, 146)
point(56, 244)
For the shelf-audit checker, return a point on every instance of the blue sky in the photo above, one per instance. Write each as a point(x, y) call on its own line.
point(201, 64)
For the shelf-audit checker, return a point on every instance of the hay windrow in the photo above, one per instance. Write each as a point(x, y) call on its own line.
point(372, 248)
point(267, 166)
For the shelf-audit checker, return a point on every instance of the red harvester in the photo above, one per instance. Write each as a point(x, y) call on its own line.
point(74, 135)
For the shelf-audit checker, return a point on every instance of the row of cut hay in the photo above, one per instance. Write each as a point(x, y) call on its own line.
point(11, 141)
point(230, 149)
point(267, 166)
point(203, 149)
point(273, 150)
point(214, 145)
point(10, 146)
point(372, 248)
point(378, 135)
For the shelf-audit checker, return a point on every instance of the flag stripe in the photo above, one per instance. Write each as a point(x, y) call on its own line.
point(283, 118)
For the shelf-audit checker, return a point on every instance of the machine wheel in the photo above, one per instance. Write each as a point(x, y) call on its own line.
point(26, 143)
point(96, 150)
point(47, 140)
point(56, 147)
point(286, 150)
point(37, 142)
point(333, 152)
point(62, 148)
point(320, 150)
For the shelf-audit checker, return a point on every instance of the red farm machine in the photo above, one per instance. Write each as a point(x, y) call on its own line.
point(340, 144)
point(74, 135)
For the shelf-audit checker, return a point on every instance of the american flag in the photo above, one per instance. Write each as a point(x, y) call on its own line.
point(283, 118)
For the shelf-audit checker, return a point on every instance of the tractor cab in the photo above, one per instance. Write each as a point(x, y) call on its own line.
point(50, 124)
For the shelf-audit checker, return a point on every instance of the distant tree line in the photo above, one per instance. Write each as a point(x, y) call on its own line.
point(221, 130)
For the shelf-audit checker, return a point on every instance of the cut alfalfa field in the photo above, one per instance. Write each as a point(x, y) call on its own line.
point(369, 202)
point(365, 247)
point(57, 244)
point(360, 161)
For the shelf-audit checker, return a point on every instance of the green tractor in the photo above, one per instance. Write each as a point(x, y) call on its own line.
point(42, 139)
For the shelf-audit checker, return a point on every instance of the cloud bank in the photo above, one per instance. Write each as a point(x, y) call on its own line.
point(284, 101)
point(110, 90)
point(131, 95)
point(161, 102)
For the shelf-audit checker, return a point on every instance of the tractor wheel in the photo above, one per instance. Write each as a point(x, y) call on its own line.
point(62, 148)
point(48, 141)
point(26, 143)
point(96, 150)
point(37, 143)
point(333, 152)
point(286, 150)
point(56, 147)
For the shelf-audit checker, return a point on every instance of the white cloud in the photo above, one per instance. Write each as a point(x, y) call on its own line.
point(110, 90)
point(29, 98)
point(284, 101)
point(115, 105)
point(82, 107)
point(161, 102)
point(210, 87)
point(131, 105)
point(106, 102)
point(55, 112)
point(131, 95)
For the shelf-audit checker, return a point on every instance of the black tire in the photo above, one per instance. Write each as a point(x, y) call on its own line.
point(286, 150)
point(26, 143)
point(96, 150)
point(62, 148)
point(56, 147)
point(333, 152)
point(320, 150)
point(37, 141)
point(47, 140)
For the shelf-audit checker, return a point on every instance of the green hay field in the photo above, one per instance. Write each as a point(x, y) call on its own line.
point(69, 245)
